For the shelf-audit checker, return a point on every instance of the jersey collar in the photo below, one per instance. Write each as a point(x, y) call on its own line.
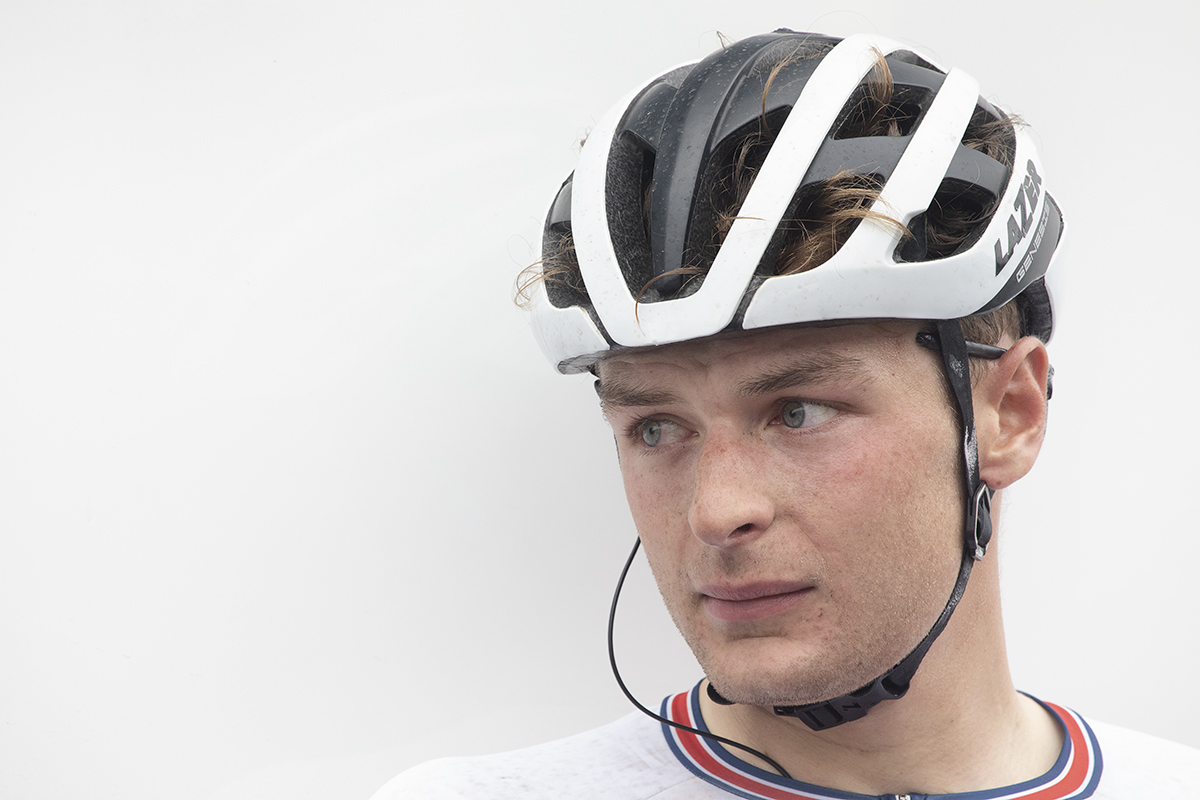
point(1075, 774)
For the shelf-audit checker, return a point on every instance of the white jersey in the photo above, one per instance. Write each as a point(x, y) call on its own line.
point(638, 758)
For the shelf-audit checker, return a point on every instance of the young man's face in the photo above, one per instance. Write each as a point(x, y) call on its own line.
point(799, 496)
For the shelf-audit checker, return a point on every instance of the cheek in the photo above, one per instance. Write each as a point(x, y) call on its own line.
point(893, 486)
point(654, 496)
point(658, 500)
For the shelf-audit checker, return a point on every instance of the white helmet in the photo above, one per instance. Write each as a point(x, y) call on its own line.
point(637, 209)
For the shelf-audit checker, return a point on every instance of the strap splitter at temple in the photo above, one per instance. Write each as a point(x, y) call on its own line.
point(955, 351)
point(979, 510)
point(981, 521)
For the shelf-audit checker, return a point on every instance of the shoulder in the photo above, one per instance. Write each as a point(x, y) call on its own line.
point(626, 759)
point(1137, 765)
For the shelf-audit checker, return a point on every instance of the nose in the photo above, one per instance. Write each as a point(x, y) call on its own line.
point(730, 500)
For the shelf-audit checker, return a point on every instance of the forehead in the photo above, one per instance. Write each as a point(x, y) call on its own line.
point(757, 360)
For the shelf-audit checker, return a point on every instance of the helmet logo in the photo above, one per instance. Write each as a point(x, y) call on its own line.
point(1024, 205)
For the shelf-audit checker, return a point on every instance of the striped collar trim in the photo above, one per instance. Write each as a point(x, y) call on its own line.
point(1075, 774)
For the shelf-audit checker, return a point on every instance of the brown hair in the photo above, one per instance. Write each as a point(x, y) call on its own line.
point(823, 215)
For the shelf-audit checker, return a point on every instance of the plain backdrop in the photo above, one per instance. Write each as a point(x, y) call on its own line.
point(289, 500)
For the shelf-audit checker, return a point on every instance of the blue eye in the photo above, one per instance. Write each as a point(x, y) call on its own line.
point(794, 413)
point(805, 414)
point(651, 432)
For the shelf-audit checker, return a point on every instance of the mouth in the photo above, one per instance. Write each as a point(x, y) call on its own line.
point(752, 601)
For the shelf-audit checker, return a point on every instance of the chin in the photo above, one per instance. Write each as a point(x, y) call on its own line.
point(784, 681)
point(793, 692)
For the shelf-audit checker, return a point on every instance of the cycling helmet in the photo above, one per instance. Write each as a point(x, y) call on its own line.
point(666, 140)
point(630, 258)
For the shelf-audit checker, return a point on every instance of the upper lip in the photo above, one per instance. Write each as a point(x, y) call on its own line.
point(752, 591)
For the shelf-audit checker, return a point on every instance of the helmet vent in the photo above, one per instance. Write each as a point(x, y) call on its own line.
point(965, 201)
point(630, 168)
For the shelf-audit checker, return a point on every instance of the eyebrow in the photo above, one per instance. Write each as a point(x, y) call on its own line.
point(797, 371)
point(615, 394)
point(805, 371)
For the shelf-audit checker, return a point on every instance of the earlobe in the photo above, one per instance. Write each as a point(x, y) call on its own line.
point(1010, 412)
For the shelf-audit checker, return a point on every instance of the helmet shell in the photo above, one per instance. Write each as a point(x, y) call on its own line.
point(662, 140)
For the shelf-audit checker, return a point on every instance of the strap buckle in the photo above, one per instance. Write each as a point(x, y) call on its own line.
point(981, 520)
point(847, 708)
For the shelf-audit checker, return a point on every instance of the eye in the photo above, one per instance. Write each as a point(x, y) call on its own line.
point(652, 432)
point(656, 432)
point(805, 414)
point(793, 414)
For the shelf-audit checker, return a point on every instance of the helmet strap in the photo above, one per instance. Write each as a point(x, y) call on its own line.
point(977, 532)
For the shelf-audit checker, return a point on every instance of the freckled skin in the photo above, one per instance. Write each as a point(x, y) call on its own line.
point(863, 508)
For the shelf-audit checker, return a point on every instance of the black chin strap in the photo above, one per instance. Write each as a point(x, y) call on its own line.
point(977, 532)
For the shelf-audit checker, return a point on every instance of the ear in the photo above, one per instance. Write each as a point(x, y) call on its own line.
point(1010, 412)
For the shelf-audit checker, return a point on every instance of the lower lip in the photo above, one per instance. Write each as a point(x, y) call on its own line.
point(749, 610)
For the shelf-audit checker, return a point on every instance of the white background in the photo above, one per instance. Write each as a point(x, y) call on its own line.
point(289, 500)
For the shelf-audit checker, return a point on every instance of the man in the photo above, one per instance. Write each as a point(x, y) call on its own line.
point(814, 280)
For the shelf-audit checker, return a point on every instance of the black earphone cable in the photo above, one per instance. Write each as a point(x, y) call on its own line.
point(612, 659)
